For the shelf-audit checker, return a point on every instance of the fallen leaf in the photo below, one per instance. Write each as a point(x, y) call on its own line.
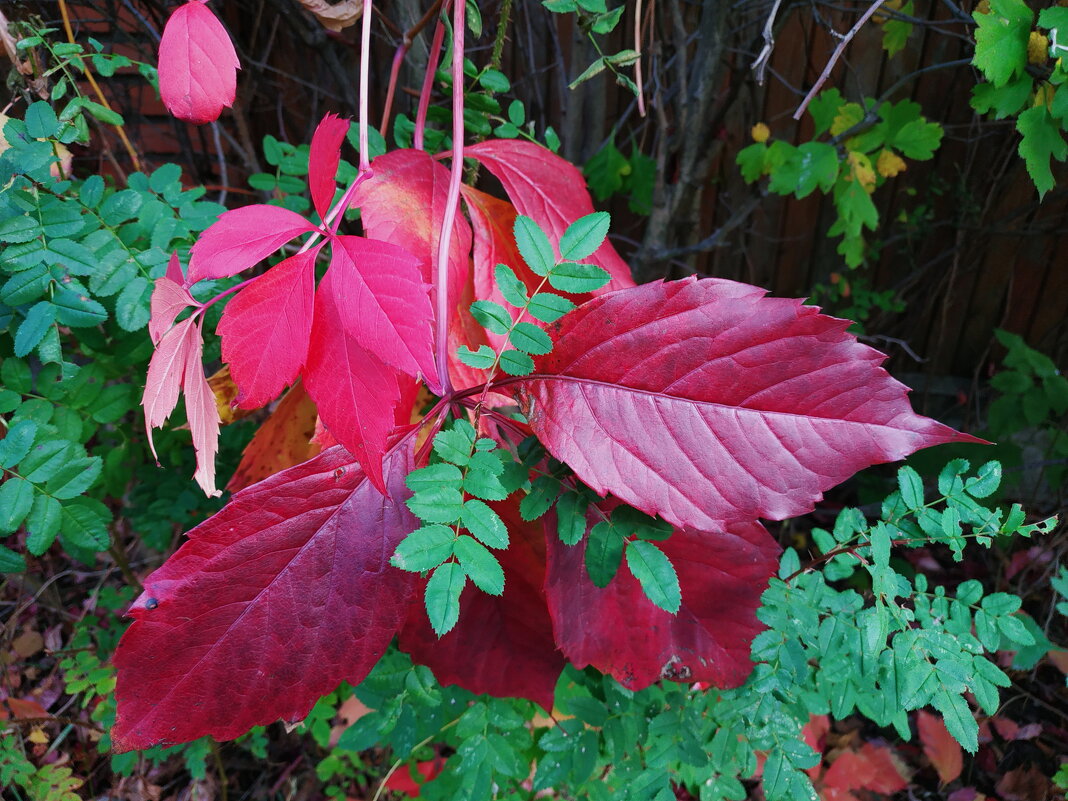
point(944, 752)
point(336, 16)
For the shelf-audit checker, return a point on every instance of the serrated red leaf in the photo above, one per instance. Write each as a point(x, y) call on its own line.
point(355, 392)
point(165, 371)
point(241, 237)
point(502, 645)
point(705, 402)
point(265, 329)
point(197, 64)
point(945, 753)
point(384, 303)
point(269, 605)
point(284, 440)
point(323, 158)
point(202, 414)
point(620, 632)
point(870, 768)
point(548, 189)
point(169, 299)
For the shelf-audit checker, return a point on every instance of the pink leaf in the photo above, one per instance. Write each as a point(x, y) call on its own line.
point(197, 65)
point(705, 402)
point(384, 304)
point(549, 190)
point(265, 329)
point(502, 645)
point(242, 237)
point(619, 631)
point(323, 160)
point(945, 753)
point(269, 605)
point(169, 299)
point(174, 270)
point(203, 414)
point(165, 372)
point(356, 393)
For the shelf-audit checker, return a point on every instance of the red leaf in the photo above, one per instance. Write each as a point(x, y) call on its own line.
point(502, 645)
point(549, 190)
point(265, 329)
point(404, 781)
point(323, 159)
point(384, 303)
point(197, 65)
point(165, 371)
point(705, 402)
point(242, 237)
point(202, 413)
point(870, 768)
point(945, 753)
point(284, 440)
point(269, 605)
point(169, 299)
point(619, 631)
point(356, 393)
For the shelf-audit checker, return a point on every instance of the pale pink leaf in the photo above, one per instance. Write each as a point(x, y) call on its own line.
point(169, 299)
point(241, 237)
point(165, 371)
point(202, 413)
point(323, 159)
point(197, 65)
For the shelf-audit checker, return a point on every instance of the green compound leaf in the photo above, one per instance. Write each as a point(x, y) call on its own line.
point(455, 444)
point(484, 523)
point(480, 565)
point(481, 359)
point(16, 498)
point(578, 278)
point(512, 289)
point(516, 362)
point(17, 443)
point(442, 596)
point(655, 573)
point(534, 245)
point(528, 338)
point(432, 476)
point(571, 518)
point(1001, 40)
point(1042, 140)
point(31, 331)
point(584, 236)
point(911, 486)
point(42, 524)
point(424, 549)
point(491, 316)
point(548, 307)
point(604, 552)
point(437, 504)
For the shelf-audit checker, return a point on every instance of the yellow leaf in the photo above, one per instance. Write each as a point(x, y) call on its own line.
point(889, 164)
point(860, 170)
point(880, 16)
point(37, 736)
point(225, 391)
point(760, 132)
point(1043, 95)
point(1037, 49)
point(848, 115)
point(983, 7)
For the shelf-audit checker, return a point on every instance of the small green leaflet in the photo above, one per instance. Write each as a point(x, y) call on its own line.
point(584, 236)
point(491, 316)
point(510, 286)
point(424, 549)
point(549, 307)
point(656, 574)
point(578, 278)
point(480, 565)
point(534, 246)
point(481, 359)
point(604, 552)
point(442, 596)
point(571, 518)
point(516, 362)
point(528, 338)
point(484, 523)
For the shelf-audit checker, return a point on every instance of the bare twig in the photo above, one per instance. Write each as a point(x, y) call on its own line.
point(760, 66)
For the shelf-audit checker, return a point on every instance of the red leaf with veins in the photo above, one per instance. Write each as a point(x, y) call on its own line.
point(619, 631)
point(242, 237)
point(165, 371)
point(269, 605)
point(169, 299)
point(197, 65)
point(323, 158)
point(549, 190)
point(265, 329)
point(384, 304)
point(355, 393)
point(705, 402)
point(502, 645)
point(202, 413)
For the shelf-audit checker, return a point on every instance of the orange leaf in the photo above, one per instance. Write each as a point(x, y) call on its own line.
point(225, 391)
point(870, 768)
point(944, 752)
point(283, 440)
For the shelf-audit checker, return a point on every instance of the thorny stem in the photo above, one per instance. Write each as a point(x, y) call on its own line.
point(428, 81)
point(452, 203)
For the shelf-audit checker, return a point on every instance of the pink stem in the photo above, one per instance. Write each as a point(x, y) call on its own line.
point(394, 73)
point(453, 201)
point(428, 80)
point(365, 51)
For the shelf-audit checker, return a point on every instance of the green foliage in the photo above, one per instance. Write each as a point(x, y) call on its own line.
point(609, 172)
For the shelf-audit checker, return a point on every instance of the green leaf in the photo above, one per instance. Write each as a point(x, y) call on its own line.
point(433, 476)
point(455, 444)
point(481, 359)
point(958, 719)
point(16, 498)
point(1001, 603)
point(534, 246)
point(1013, 628)
point(911, 486)
point(83, 526)
point(483, 478)
point(102, 113)
point(917, 139)
point(752, 160)
point(1007, 100)
point(510, 286)
point(656, 574)
point(604, 552)
point(74, 477)
point(495, 81)
point(571, 518)
point(424, 549)
point(491, 316)
point(42, 524)
point(31, 331)
point(606, 170)
point(480, 565)
point(21, 228)
point(46, 459)
point(77, 311)
point(442, 596)
point(484, 523)
point(11, 562)
point(132, 304)
point(528, 338)
point(516, 362)
point(1001, 40)
point(584, 236)
point(17, 443)
point(15, 375)
point(578, 278)
point(549, 307)
point(812, 165)
point(1042, 140)
point(543, 492)
point(41, 122)
point(986, 481)
point(437, 504)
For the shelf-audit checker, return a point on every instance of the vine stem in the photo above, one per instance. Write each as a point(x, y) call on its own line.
point(365, 47)
point(453, 201)
point(428, 80)
point(398, 59)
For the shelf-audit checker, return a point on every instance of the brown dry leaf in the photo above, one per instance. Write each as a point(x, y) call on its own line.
point(1024, 784)
point(21, 709)
point(28, 643)
point(283, 440)
point(944, 752)
point(225, 391)
point(335, 16)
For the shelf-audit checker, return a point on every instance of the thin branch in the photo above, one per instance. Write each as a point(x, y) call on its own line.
point(760, 65)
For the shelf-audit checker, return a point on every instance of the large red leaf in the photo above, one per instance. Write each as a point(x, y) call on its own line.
point(265, 329)
point(197, 64)
point(356, 393)
point(269, 605)
point(549, 190)
point(384, 303)
point(502, 645)
point(619, 631)
point(241, 237)
point(705, 402)
point(323, 158)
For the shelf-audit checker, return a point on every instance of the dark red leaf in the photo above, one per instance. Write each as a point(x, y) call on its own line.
point(549, 190)
point(356, 393)
point(265, 329)
point(705, 402)
point(197, 65)
point(503, 645)
point(269, 605)
point(619, 631)
point(242, 237)
point(323, 158)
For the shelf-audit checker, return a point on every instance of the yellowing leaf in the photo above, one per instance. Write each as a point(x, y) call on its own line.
point(1037, 49)
point(760, 132)
point(1043, 95)
point(848, 115)
point(225, 391)
point(889, 164)
point(880, 16)
point(860, 170)
point(37, 736)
